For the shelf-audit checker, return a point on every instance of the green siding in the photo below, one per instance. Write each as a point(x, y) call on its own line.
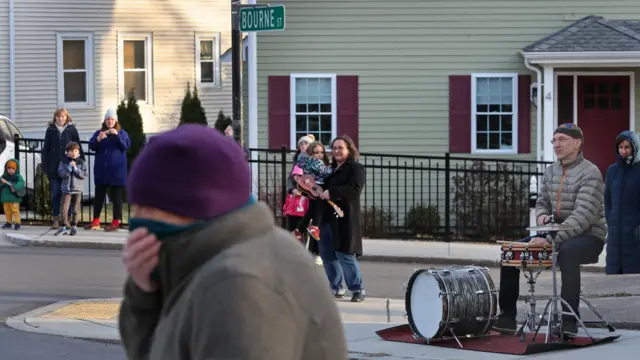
point(404, 52)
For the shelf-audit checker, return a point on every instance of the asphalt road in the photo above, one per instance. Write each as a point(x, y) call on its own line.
point(34, 277)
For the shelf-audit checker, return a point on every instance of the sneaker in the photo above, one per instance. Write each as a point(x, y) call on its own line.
point(505, 325)
point(339, 294)
point(358, 296)
point(115, 225)
point(16, 227)
point(314, 232)
point(73, 231)
point(63, 231)
point(297, 234)
point(6, 226)
point(94, 225)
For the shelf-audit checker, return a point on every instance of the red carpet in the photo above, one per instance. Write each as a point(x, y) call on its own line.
point(493, 343)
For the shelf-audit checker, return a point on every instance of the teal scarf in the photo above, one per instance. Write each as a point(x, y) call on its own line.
point(163, 230)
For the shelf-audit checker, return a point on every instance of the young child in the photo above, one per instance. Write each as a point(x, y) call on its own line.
point(315, 163)
point(13, 190)
point(72, 170)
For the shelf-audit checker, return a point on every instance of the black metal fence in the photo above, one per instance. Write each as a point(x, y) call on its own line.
point(36, 206)
point(424, 197)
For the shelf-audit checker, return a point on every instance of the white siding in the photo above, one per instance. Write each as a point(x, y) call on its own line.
point(173, 25)
point(4, 58)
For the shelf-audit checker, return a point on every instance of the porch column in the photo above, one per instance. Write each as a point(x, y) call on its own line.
point(548, 124)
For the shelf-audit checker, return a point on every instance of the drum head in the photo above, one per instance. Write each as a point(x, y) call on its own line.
point(426, 305)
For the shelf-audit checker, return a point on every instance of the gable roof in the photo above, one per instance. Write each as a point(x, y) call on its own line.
point(591, 34)
point(226, 55)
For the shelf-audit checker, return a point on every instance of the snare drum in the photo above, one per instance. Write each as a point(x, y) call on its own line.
point(461, 301)
point(525, 255)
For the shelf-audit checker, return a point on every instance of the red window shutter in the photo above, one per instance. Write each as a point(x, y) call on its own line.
point(460, 114)
point(279, 112)
point(524, 114)
point(347, 104)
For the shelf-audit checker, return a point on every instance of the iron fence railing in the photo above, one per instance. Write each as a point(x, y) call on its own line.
point(426, 197)
point(406, 196)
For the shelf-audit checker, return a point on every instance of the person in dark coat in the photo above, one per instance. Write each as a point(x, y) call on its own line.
point(341, 238)
point(110, 144)
point(622, 206)
point(59, 133)
point(210, 274)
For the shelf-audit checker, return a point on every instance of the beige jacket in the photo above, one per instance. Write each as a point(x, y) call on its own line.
point(574, 194)
point(240, 288)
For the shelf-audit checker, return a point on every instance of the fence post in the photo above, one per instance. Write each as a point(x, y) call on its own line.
point(447, 197)
point(283, 182)
point(16, 145)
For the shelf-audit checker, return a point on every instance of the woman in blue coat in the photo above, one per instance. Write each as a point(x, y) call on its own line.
point(110, 145)
point(622, 207)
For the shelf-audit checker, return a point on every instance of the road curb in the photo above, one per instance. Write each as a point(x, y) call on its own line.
point(450, 261)
point(20, 322)
point(24, 240)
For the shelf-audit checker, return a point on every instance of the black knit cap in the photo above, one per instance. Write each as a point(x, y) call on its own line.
point(571, 130)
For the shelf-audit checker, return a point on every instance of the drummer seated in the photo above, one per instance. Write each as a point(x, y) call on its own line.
point(573, 191)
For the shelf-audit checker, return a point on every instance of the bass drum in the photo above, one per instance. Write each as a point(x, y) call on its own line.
point(460, 301)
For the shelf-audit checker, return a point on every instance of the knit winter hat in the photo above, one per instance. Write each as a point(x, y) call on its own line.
point(111, 113)
point(571, 130)
point(307, 138)
point(11, 164)
point(193, 171)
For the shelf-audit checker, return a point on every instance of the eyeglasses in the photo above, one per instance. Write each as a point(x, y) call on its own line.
point(560, 140)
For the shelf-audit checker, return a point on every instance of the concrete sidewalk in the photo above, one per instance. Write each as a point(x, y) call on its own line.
point(425, 252)
point(96, 319)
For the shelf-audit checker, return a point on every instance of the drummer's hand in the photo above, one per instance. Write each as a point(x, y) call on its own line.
point(542, 219)
point(538, 241)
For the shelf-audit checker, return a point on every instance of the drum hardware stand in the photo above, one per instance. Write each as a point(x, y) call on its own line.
point(530, 321)
point(554, 315)
point(455, 337)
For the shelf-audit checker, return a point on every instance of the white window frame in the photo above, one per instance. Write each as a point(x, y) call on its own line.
point(148, 47)
point(88, 60)
point(514, 110)
point(292, 102)
point(216, 59)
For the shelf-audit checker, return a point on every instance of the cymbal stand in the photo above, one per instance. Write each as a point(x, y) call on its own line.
point(530, 321)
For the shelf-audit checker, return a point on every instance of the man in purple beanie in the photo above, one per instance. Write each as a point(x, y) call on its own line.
point(210, 275)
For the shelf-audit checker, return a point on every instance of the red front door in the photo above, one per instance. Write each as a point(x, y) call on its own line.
point(603, 113)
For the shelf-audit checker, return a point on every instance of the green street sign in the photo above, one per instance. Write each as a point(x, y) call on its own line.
point(262, 18)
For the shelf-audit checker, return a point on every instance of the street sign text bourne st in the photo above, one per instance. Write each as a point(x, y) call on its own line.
point(261, 18)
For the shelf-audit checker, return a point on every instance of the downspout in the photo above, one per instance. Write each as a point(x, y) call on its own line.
point(12, 64)
point(538, 108)
point(534, 184)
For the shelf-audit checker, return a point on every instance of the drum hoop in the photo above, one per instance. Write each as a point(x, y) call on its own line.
point(407, 301)
point(490, 286)
point(525, 247)
point(439, 279)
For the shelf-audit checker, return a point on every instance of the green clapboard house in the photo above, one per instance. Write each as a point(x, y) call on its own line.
point(471, 78)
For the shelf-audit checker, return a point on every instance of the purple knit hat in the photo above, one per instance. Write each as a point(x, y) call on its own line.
point(193, 171)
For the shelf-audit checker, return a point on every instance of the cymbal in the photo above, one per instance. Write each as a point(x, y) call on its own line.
point(552, 227)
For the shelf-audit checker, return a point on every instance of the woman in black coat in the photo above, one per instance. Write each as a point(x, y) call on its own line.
point(341, 238)
point(60, 132)
point(622, 206)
